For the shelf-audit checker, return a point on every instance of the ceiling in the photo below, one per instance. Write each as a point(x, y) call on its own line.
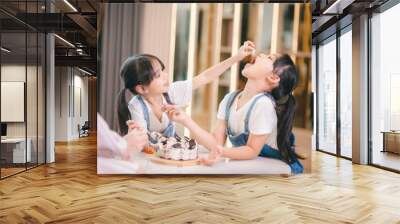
point(330, 15)
point(74, 22)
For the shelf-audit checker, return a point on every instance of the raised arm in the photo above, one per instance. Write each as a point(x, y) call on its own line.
point(203, 137)
point(217, 70)
point(209, 141)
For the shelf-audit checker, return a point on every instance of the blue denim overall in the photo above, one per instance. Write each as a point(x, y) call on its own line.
point(241, 139)
point(169, 131)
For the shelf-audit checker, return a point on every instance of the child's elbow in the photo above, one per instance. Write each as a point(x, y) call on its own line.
point(253, 153)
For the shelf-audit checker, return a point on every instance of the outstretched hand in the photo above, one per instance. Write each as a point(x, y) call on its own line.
point(246, 49)
point(175, 113)
point(136, 139)
point(132, 125)
point(213, 157)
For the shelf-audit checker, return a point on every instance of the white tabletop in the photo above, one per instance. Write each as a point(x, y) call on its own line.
point(142, 164)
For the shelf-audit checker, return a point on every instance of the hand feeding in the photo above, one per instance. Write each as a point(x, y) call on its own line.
point(251, 57)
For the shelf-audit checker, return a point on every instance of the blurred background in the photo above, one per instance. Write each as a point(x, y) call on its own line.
point(191, 37)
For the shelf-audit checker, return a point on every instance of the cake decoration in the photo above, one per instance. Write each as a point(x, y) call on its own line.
point(174, 148)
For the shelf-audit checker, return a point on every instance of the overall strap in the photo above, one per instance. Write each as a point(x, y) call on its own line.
point(167, 98)
point(169, 101)
point(145, 112)
point(271, 97)
point(247, 119)
point(231, 99)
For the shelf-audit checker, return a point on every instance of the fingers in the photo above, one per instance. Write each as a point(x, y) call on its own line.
point(174, 113)
point(170, 114)
point(168, 107)
point(249, 47)
point(209, 161)
point(136, 140)
point(140, 133)
point(206, 162)
point(142, 140)
point(249, 43)
point(132, 125)
point(220, 150)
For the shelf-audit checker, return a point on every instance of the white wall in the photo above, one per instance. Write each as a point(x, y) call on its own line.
point(67, 115)
point(33, 127)
point(61, 103)
point(80, 83)
point(13, 95)
point(12, 73)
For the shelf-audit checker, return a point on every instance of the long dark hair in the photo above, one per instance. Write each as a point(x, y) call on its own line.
point(285, 104)
point(136, 70)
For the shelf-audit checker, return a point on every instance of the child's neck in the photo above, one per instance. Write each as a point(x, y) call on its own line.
point(154, 99)
point(254, 87)
point(155, 103)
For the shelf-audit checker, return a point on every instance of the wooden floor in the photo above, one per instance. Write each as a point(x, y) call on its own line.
point(70, 191)
point(10, 171)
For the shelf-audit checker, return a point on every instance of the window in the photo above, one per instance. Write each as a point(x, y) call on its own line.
point(385, 89)
point(22, 65)
point(327, 96)
point(346, 93)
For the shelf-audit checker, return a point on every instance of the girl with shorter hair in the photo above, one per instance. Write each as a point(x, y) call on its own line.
point(145, 77)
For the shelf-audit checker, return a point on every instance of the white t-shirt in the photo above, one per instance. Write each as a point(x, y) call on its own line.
point(179, 92)
point(263, 119)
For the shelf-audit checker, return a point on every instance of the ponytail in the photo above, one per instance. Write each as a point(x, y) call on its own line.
point(123, 112)
point(286, 113)
point(286, 105)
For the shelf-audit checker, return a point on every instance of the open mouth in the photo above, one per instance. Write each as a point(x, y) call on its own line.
point(248, 65)
point(252, 60)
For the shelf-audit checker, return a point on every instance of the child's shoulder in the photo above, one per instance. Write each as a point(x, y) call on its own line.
point(134, 102)
point(265, 101)
point(134, 99)
point(180, 84)
point(229, 96)
point(232, 94)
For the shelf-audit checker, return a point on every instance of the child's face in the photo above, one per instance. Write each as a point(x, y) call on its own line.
point(160, 82)
point(261, 68)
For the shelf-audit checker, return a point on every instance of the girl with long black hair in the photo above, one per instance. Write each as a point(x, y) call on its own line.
point(258, 120)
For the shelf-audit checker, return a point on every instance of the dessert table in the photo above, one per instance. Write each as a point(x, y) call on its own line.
point(142, 164)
